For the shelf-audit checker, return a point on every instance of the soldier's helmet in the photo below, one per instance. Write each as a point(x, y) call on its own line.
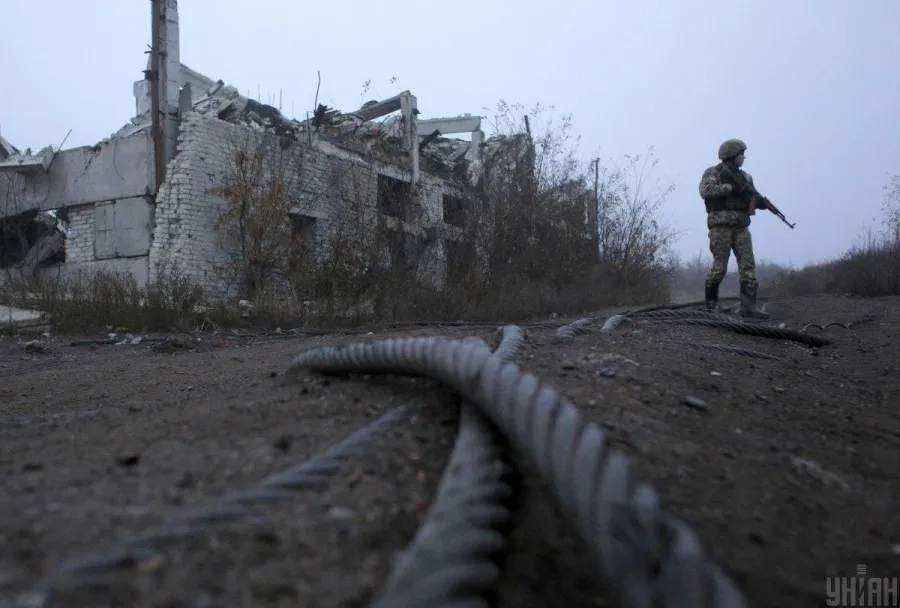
point(730, 148)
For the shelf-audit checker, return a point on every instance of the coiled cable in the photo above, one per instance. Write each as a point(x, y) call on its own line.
point(646, 557)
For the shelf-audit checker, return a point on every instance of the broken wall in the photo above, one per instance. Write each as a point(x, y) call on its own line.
point(104, 192)
point(111, 170)
point(337, 189)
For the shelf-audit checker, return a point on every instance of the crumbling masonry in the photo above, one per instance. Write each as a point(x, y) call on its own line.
point(99, 207)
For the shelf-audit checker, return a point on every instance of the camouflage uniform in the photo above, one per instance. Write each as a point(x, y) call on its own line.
point(728, 220)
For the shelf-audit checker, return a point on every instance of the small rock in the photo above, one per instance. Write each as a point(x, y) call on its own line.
point(35, 347)
point(606, 372)
point(342, 513)
point(283, 442)
point(756, 538)
point(185, 481)
point(568, 365)
point(696, 403)
point(128, 459)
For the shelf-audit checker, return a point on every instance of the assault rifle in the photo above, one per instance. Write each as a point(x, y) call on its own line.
point(743, 187)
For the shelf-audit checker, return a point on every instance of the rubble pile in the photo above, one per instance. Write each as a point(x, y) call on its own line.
point(440, 155)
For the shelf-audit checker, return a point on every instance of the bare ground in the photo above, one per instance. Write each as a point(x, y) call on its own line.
point(790, 475)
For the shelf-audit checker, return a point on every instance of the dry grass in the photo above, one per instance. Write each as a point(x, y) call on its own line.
point(93, 301)
point(869, 269)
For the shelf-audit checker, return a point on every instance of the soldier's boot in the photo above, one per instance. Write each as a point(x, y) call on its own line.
point(712, 297)
point(748, 301)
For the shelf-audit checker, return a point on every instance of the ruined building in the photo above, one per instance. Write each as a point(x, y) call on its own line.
point(142, 198)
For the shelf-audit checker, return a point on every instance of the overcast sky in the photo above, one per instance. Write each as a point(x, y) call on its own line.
point(812, 86)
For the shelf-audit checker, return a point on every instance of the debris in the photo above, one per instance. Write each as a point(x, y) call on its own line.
point(283, 442)
point(185, 481)
point(128, 459)
point(696, 403)
point(340, 513)
point(174, 344)
point(35, 347)
point(150, 564)
point(130, 340)
point(18, 319)
point(814, 469)
point(607, 358)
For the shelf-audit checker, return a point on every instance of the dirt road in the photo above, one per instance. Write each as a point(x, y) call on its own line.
point(787, 468)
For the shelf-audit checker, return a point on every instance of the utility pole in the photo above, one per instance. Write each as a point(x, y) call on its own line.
point(165, 84)
point(594, 215)
point(155, 93)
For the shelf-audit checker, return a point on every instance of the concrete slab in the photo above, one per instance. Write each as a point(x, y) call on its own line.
point(18, 319)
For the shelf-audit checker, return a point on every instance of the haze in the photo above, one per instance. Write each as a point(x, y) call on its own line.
point(810, 85)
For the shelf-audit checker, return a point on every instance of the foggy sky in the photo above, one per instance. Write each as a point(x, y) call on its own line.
point(811, 85)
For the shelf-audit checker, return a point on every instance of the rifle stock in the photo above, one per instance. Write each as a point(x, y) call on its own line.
point(744, 186)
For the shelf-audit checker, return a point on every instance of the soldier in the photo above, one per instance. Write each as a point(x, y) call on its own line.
point(729, 205)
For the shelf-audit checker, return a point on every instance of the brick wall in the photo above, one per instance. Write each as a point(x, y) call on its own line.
point(336, 187)
point(80, 239)
point(186, 214)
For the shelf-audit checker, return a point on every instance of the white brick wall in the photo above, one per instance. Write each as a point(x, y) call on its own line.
point(186, 215)
point(80, 239)
point(334, 185)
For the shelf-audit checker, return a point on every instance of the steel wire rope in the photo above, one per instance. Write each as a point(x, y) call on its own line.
point(451, 559)
point(579, 326)
point(613, 323)
point(836, 324)
point(647, 558)
point(751, 329)
point(128, 554)
point(738, 350)
point(680, 313)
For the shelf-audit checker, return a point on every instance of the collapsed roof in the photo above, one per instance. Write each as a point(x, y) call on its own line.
point(450, 158)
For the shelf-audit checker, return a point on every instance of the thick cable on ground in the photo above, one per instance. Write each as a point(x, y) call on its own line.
point(752, 329)
point(646, 557)
point(451, 560)
point(128, 554)
point(577, 327)
point(744, 352)
point(613, 323)
point(680, 313)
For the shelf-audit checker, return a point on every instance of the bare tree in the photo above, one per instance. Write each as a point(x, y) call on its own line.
point(634, 239)
point(267, 197)
point(890, 206)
